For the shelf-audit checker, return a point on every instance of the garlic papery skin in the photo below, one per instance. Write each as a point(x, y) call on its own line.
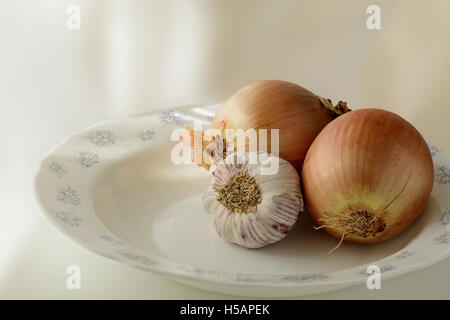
point(273, 201)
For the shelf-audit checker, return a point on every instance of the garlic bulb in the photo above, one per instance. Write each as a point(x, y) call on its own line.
point(250, 208)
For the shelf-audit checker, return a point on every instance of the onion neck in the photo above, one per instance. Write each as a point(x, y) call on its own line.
point(339, 109)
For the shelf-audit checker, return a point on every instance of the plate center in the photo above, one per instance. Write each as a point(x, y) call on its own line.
point(155, 206)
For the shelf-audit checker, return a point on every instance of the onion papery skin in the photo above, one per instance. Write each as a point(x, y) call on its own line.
point(274, 104)
point(368, 160)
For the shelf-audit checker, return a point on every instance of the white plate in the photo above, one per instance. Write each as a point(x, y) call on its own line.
point(113, 189)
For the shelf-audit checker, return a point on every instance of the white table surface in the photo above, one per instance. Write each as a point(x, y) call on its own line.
point(131, 58)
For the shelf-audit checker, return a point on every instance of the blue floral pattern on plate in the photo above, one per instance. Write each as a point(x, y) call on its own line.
point(172, 117)
point(111, 240)
point(69, 196)
point(138, 258)
point(87, 159)
point(102, 138)
point(404, 254)
point(57, 168)
point(147, 135)
point(445, 217)
point(68, 219)
point(433, 150)
point(441, 175)
point(305, 277)
point(443, 238)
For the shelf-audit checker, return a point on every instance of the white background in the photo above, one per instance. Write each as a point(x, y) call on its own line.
point(131, 57)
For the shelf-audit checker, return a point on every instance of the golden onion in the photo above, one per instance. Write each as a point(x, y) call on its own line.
point(273, 104)
point(367, 176)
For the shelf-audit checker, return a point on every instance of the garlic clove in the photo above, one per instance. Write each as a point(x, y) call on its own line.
point(251, 209)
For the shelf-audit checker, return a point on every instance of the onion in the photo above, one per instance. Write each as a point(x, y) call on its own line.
point(272, 104)
point(367, 176)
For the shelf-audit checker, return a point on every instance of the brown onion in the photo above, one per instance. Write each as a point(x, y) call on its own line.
point(273, 104)
point(367, 176)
